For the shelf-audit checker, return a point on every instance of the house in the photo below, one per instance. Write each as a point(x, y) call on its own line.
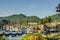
point(29, 30)
point(11, 27)
point(43, 28)
point(32, 25)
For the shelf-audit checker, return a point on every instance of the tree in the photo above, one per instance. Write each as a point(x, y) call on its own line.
point(1, 25)
point(40, 21)
point(1, 37)
point(47, 19)
point(10, 22)
point(4, 22)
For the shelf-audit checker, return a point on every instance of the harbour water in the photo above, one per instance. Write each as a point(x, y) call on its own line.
point(13, 37)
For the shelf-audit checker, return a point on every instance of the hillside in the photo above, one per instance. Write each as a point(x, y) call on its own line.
point(21, 17)
point(32, 18)
point(56, 17)
point(15, 17)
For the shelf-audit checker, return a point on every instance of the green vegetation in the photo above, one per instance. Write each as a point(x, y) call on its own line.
point(34, 36)
point(56, 17)
point(45, 20)
point(1, 37)
point(22, 19)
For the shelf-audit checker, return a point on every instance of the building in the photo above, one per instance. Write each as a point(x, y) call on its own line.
point(11, 27)
point(32, 25)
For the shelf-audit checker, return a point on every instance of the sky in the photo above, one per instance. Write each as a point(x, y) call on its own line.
point(39, 8)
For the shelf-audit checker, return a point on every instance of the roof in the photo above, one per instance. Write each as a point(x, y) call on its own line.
point(32, 23)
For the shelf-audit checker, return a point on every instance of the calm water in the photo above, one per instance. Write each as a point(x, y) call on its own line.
point(10, 37)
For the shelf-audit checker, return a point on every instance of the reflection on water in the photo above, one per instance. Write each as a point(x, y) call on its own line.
point(13, 37)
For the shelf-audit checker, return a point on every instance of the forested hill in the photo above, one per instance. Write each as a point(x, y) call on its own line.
point(56, 17)
point(21, 17)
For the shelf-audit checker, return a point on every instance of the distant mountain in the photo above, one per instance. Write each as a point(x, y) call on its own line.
point(21, 17)
point(15, 17)
point(32, 18)
point(55, 17)
point(1, 17)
